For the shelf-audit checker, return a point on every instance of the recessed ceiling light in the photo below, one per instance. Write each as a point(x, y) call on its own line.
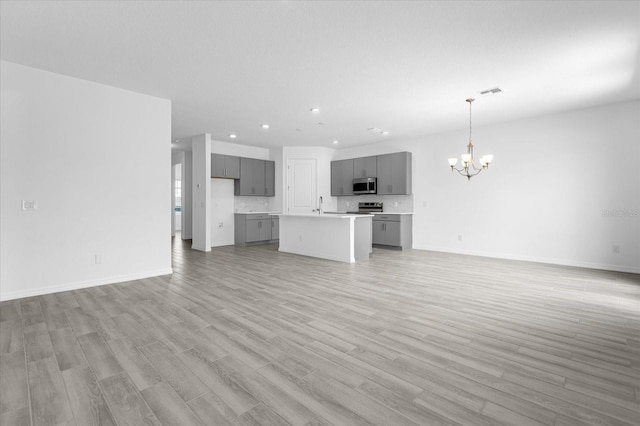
point(265, 126)
point(315, 110)
point(233, 136)
point(379, 131)
point(335, 142)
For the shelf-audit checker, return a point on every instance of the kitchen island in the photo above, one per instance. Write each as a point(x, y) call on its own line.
point(340, 237)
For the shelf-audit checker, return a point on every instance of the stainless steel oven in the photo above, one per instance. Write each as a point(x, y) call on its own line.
point(365, 186)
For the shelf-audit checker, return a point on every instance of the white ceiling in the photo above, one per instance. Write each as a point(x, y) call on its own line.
point(403, 67)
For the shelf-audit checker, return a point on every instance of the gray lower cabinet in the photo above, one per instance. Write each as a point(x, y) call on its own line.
point(255, 229)
point(394, 174)
point(392, 230)
point(275, 228)
point(225, 166)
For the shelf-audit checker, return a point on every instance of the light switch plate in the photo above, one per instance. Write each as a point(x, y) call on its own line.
point(29, 205)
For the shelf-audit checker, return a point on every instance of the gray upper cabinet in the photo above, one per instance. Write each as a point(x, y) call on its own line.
point(342, 177)
point(270, 178)
point(365, 167)
point(225, 166)
point(392, 170)
point(259, 186)
point(394, 174)
point(244, 186)
point(257, 177)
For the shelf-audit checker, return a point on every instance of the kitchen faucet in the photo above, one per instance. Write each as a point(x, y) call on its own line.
point(320, 206)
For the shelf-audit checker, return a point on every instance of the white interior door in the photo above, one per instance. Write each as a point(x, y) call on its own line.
point(301, 185)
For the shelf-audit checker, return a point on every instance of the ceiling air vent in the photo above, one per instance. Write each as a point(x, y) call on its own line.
point(491, 91)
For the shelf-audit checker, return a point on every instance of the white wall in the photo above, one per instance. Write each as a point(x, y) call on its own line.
point(563, 188)
point(247, 151)
point(222, 218)
point(97, 161)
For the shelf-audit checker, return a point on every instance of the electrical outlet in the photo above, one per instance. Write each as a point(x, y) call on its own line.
point(459, 237)
point(98, 259)
point(300, 237)
point(220, 224)
point(615, 249)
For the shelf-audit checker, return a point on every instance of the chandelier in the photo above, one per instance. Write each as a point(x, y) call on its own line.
point(468, 165)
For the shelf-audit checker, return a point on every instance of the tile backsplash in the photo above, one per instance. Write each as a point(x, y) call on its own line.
point(250, 204)
point(392, 203)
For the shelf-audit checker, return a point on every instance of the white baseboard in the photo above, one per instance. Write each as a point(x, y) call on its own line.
point(223, 243)
point(562, 262)
point(83, 284)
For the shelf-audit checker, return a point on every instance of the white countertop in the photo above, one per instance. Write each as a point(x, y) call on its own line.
point(393, 213)
point(257, 212)
point(324, 215)
point(374, 213)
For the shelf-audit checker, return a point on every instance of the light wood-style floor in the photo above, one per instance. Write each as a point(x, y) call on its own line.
point(251, 336)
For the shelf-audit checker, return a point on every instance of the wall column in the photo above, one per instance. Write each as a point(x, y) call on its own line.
point(187, 199)
point(201, 185)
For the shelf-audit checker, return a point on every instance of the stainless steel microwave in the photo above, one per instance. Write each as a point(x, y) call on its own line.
point(365, 186)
